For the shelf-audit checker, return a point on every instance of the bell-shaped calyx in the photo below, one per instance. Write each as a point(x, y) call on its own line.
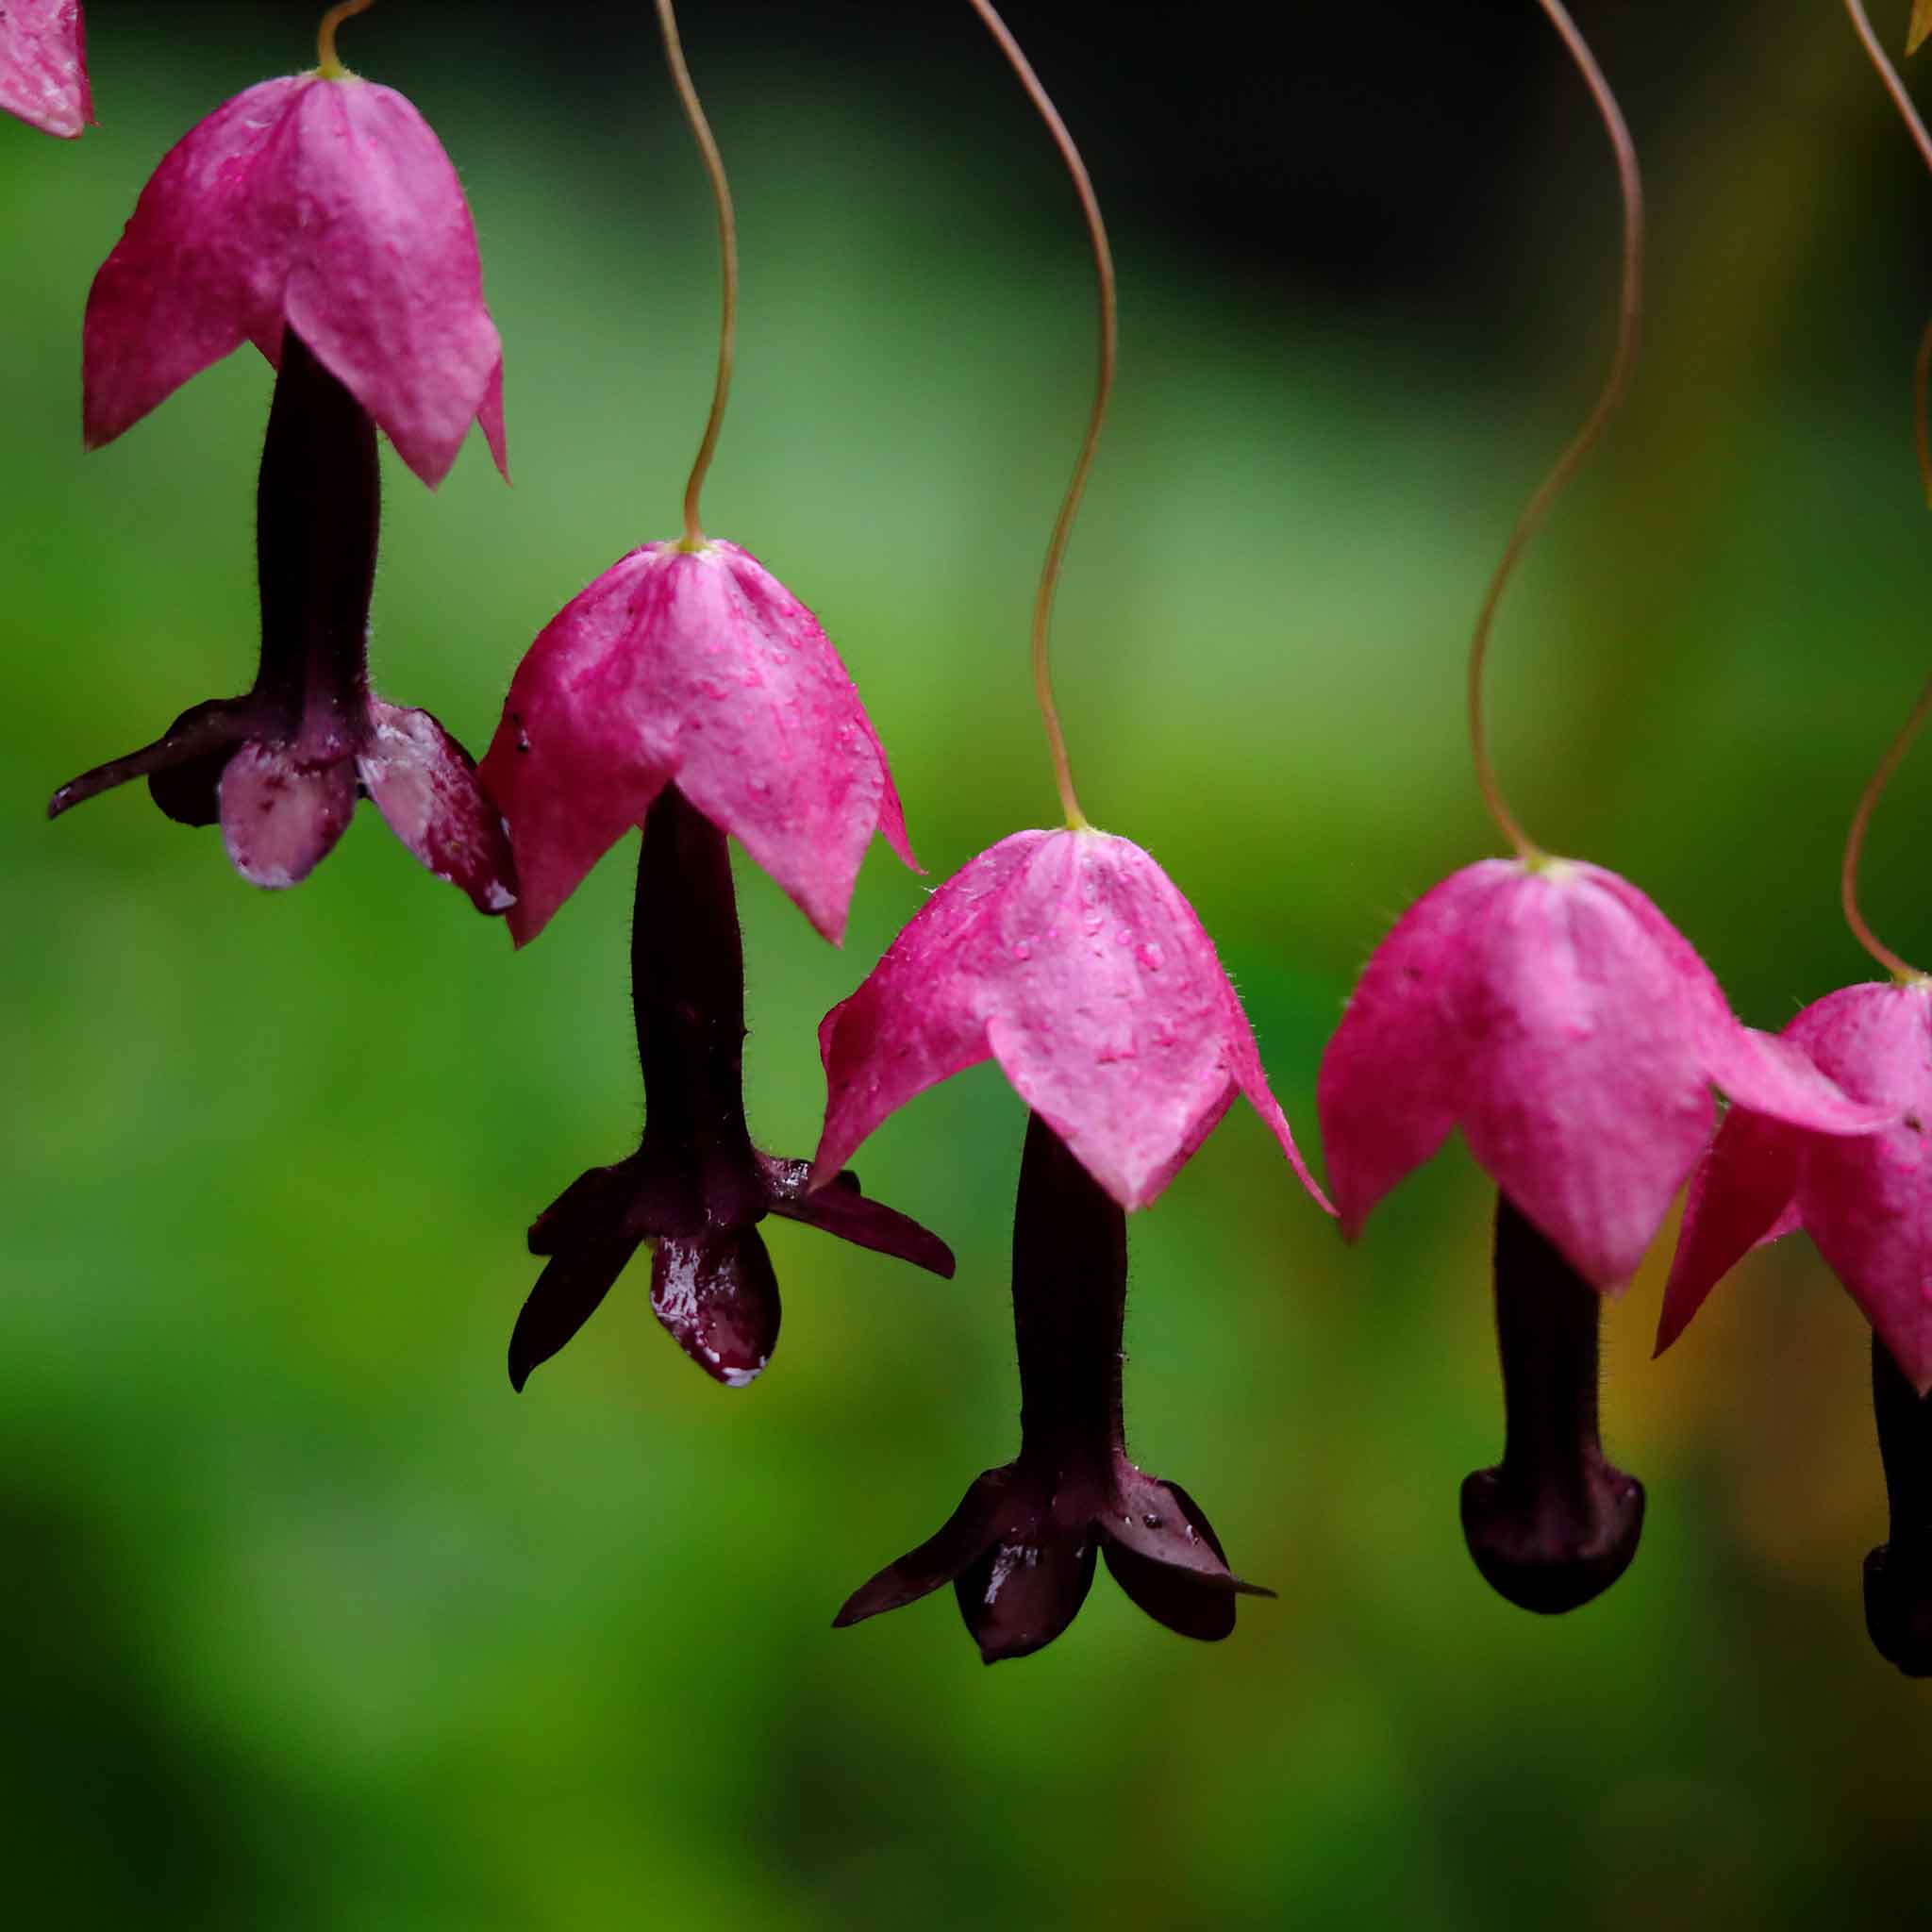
point(1020, 1549)
point(280, 768)
point(696, 1188)
point(320, 207)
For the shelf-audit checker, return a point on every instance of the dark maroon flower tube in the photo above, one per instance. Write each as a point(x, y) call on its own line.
point(280, 768)
point(1554, 1522)
point(1898, 1573)
point(696, 1188)
point(1020, 1549)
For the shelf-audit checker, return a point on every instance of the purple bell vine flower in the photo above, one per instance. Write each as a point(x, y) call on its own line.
point(687, 693)
point(44, 66)
point(1071, 958)
point(1548, 1008)
point(318, 216)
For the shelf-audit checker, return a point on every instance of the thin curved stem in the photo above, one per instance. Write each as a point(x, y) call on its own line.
point(326, 59)
point(1622, 359)
point(1921, 436)
point(727, 252)
point(1854, 842)
point(1103, 390)
point(1890, 76)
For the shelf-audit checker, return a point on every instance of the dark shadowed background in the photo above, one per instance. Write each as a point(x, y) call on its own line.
point(310, 1623)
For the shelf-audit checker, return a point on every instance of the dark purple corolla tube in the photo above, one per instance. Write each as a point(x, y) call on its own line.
point(696, 1188)
point(280, 768)
point(1020, 1549)
point(1554, 1522)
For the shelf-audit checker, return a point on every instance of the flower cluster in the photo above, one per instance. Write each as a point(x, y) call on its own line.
point(1544, 1007)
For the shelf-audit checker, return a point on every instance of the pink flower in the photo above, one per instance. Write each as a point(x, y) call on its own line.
point(44, 66)
point(1554, 1014)
point(1071, 958)
point(323, 205)
point(1867, 1202)
point(696, 667)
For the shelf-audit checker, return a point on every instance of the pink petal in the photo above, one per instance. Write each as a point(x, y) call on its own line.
point(1395, 1076)
point(915, 1019)
point(1867, 1202)
point(1074, 959)
point(383, 279)
point(1587, 1101)
point(1753, 1069)
point(281, 814)
point(1742, 1195)
point(425, 784)
point(195, 271)
point(697, 666)
point(576, 761)
point(44, 66)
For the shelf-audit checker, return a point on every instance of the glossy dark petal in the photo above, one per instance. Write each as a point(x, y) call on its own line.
point(717, 1295)
point(594, 1207)
point(1898, 1608)
point(215, 729)
point(1019, 1596)
point(964, 1537)
point(1186, 1602)
point(565, 1297)
point(839, 1208)
point(1160, 1524)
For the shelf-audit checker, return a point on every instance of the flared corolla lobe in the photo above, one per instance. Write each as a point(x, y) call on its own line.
point(1866, 1201)
point(696, 666)
point(44, 66)
point(1553, 1013)
point(321, 206)
point(1072, 960)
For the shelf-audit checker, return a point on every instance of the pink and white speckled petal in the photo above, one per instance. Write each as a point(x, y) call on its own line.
point(383, 279)
point(1742, 1195)
point(425, 786)
point(191, 274)
point(1395, 1077)
point(577, 758)
point(44, 66)
point(919, 1016)
point(1586, 1102)
point(1867, 1202)
point(282, 813)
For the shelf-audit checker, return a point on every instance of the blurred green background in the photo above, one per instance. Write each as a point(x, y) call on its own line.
point(310, 1623)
